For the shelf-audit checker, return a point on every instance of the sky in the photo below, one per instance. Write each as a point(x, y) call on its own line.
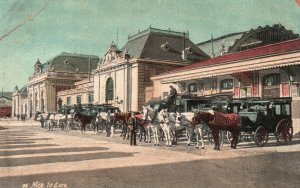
point(42, 29)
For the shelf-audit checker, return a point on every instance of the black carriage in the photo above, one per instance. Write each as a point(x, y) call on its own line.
point(261, 117)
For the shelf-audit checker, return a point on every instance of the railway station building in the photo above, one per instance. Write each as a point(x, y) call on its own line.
point(268, 68)
point(122, 77)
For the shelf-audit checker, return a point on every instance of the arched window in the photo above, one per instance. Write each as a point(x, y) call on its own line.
point(109, 95)
point(193, 87)
point(271, 79)
point(226, 84)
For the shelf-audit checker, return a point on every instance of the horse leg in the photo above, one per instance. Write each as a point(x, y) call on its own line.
point(188, 135)
point(127, 133)
point(215, 134)
point(83, 128)
point(112, 130)
point(200, 130)
point(156, 138)
point(167, 135)
point(234, 141)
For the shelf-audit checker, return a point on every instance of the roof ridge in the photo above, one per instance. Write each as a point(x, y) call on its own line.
point(221, 37)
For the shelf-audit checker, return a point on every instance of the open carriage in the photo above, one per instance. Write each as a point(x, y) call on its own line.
point(261, 117)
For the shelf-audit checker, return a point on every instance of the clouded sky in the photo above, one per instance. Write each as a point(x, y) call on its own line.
point(32, 29)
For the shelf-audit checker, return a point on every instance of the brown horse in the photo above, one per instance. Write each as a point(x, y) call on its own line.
point(84, 120)
point(123, 117)
point(217, 121)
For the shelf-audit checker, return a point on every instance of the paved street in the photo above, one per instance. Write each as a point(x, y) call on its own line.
point(34, 157)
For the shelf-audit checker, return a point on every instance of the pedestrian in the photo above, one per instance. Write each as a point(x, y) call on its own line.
point(132, 127)
point(18, 116)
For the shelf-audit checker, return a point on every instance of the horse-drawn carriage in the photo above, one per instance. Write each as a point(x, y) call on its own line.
point(261, 117)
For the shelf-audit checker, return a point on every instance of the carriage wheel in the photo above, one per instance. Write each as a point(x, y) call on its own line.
point(284, 131)
point(77, 125)
point(222, 138)
point(261, 136)
point(229, 137)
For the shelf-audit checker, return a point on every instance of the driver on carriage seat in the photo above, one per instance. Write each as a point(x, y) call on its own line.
point(171, 99)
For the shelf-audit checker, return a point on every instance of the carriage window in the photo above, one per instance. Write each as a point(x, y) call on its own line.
point(193, 87)
point(286, 109)
point(278, 109)
point(235, 109)
point(226, 84)
point(156, 106)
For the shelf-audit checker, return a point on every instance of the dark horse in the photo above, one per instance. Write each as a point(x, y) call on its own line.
point(84, 120)
point(141, 124)
point(123, 117)
point(217, 121)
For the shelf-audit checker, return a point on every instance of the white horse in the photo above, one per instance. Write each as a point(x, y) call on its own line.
point(173, 122)
point(197, 129)
point(169, 124)
point(150, 115)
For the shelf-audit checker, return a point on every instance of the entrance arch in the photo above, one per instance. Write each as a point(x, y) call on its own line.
point(109, 91)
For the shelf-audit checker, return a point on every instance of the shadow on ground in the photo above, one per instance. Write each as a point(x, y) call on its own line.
point(268, 170)
point(50, 150)
point(24, 161)
point(26, 146)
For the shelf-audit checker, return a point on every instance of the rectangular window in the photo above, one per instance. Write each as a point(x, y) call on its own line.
point(78, 99)
point(69, 101)
point(278, 109)
point(91, 98)
point(286, 109)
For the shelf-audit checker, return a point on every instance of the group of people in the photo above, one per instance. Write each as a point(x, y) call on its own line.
point(21, 117)
point(132, 122)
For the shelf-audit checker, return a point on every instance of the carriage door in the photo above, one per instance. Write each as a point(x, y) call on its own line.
point(271, 85)
point(109, 91)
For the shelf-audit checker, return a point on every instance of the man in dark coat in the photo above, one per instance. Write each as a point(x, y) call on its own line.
point(132, 127)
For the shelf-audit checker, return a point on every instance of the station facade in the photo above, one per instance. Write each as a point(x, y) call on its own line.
point(123, 75)
point(57, 74)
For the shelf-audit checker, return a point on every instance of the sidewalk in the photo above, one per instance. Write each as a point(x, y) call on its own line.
point(296, 126)
point(15, 122)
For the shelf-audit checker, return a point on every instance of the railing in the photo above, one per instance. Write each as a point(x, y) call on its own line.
point(150, 29)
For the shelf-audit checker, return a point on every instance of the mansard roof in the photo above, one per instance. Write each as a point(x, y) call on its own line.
point(148, 45)
point(71, 62)
point(246, 40)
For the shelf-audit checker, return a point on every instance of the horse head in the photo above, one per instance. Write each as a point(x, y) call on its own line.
point(145, 111)
point(202, 117)
point(164, 116)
